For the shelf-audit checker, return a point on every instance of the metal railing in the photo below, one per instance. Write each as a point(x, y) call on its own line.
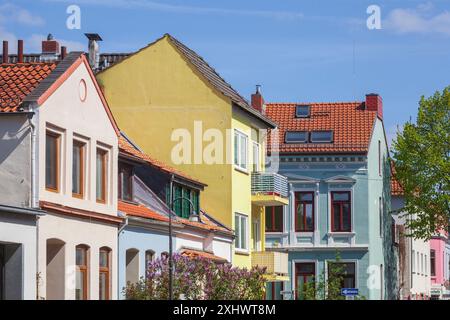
point(269, 183)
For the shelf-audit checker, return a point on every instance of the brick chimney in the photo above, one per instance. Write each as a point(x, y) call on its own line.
point(258, 100)
point(50, 49)
point(374, 102)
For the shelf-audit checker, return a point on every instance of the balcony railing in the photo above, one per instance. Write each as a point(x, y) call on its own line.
point(268, 183)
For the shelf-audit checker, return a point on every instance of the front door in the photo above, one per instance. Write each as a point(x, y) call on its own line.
point(305, 273)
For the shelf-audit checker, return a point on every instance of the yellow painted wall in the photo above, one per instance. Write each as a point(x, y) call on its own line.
point(157, 91)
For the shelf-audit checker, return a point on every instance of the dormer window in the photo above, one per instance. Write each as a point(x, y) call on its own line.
point(125, 182)
point(302, 111)
point(322, 136)
point(296, 137)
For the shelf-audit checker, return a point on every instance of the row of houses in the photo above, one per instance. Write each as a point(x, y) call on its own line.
point(99, 151)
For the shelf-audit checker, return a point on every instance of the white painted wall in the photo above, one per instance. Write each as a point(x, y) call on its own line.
point(15, 228)
point(420, 275)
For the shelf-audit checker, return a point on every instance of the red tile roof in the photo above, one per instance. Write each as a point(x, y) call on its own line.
point(351, 125)
point(18, 80)
point(141, 211)
point(193, 253)
point(396, 188)
point(128, 149)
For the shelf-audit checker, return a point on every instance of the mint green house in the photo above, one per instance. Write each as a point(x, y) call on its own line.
point(335, 157)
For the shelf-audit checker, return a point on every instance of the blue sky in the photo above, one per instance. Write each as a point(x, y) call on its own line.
point(300, 51)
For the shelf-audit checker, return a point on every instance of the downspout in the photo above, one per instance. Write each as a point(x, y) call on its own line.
point(33, 196)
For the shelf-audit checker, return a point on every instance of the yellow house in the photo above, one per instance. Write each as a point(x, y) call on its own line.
point(180, 111)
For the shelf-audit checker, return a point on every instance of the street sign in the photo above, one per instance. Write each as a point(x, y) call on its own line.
point(349, 292)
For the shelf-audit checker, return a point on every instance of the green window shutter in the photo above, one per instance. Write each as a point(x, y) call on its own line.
point(178, 202)
point(186, 205)
point(195, 201)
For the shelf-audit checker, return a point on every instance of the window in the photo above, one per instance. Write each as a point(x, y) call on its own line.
point(433, 263)
point(182, 206)
point(344, 270)
point(296, 137)
point(241, 231)
point(240, 150)
point(274, 219)
point(81, 260)
point(256, 162)
point(305, 274)
point(413, 261)
point(341, 211)
point(52, 158)
point(101, 175)
point(379, 158)
point(321, 136)
point(125, 182)
point(421, 263)
point(78, 169)
point(104, 274)
point(132, 266)
point(302, 111)
point(304, 211)
point(380, 213)
point(426, 264)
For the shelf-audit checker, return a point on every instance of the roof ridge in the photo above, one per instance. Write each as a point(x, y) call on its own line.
point(312, 103)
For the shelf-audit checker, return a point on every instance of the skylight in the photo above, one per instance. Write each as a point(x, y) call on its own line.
point(302, 111)
point(296, 137)
point(322, 136)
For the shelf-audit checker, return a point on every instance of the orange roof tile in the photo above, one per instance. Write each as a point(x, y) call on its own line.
point(206, 223)
point(351, 125)
point(19, 80)
point(127, 148)
point(192, 253)
point(141, 211)
point(396, 188)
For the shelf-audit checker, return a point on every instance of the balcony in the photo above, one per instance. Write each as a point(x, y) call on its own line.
point(276, 264)
point(269, 189)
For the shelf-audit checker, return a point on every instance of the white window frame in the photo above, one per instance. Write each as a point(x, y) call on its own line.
point(237, 221)
point(256, 160)
point(237, 149)
point(356, 262)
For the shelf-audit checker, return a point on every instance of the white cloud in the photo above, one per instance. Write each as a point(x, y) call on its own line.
point(12, 13)
point(420, 20)
point(157, 6)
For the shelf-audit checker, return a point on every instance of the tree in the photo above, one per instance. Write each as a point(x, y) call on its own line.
point(198, 279)
point(421, 155)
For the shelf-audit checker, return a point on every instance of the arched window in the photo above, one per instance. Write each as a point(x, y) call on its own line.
point(132, 266)
point(104, 273)
point(82, 272)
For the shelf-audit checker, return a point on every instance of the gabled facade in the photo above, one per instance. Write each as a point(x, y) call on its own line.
point(72, 163)
point(335, 157)
point(144, 202)
point(165, 92)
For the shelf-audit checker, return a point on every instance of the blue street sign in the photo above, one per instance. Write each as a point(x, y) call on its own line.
point(349, 292)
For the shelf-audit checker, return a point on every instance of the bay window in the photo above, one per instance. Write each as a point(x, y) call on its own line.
point(341, 211)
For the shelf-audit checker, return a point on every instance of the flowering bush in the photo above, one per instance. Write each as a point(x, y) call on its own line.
point(198, 279)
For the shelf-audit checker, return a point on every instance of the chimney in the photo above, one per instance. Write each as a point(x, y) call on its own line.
point(5, 51)
point(374, 102)
point(258, 100)
point(20, 51)
point(63, 52)
point(94, 52)
point(50, 49)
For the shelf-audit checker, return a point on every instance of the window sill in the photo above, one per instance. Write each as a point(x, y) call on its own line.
point(241, 170)
point(241, 252)
point(341, 233)
point(52, 190)
point(276, 233)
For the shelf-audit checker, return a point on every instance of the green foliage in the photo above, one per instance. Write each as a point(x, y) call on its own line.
point(422, 163)
point(328, 287)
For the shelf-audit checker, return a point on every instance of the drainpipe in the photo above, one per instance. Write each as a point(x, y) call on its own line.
point(34, 188)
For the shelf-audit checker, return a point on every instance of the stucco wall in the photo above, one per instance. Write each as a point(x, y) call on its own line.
point(21, 229)
point(15, 160)
point(75, 232)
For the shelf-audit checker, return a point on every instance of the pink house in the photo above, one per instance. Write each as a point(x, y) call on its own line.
point(438, 263)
